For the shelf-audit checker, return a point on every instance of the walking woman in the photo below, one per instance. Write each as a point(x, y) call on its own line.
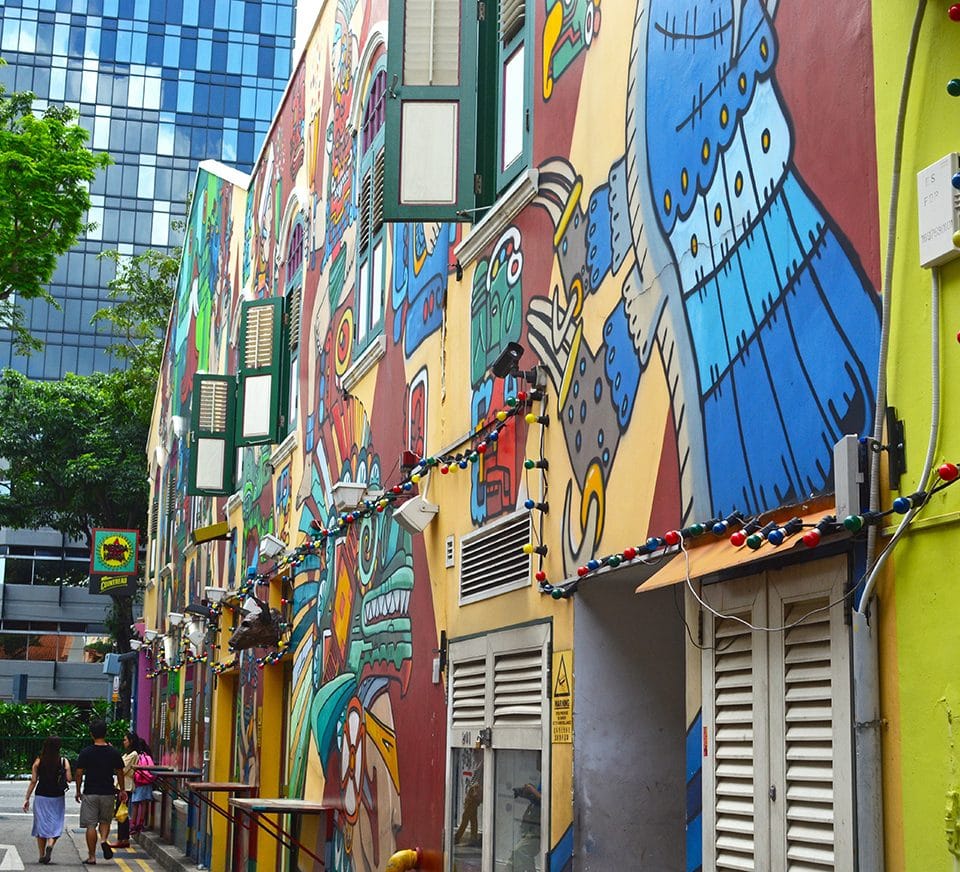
point(130, 754)
point(143, 791)
point(50, 777)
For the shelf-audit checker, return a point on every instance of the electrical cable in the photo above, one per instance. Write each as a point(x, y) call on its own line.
point(874, 570)
point(892, 216)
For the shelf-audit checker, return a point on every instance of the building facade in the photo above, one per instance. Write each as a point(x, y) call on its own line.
point(605, 247)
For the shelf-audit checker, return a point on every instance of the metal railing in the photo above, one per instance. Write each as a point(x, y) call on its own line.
point(17, 753)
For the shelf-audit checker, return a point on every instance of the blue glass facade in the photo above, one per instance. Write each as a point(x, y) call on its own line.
point(160, 85)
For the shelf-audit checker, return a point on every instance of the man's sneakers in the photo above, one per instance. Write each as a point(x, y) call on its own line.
point(107, 850)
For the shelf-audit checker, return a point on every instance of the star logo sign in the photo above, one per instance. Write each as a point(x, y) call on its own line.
point(115, 551)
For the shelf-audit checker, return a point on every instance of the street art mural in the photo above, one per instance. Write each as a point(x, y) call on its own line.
point(675, 239)
point(732, 276)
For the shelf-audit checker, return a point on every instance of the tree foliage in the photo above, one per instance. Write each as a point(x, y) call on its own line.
point(45, 171)
point(75, 451)
point(142, 292)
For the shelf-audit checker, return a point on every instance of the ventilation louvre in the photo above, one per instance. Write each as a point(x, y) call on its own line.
point(492, 559)
point(467, 693)
point(518, 689)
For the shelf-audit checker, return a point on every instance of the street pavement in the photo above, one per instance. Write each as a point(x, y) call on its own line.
point(18, 849)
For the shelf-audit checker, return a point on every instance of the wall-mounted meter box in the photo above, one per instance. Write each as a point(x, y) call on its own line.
point(938, 202)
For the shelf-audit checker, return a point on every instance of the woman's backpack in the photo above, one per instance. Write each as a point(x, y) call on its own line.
point(140, 777)
point(62, 783)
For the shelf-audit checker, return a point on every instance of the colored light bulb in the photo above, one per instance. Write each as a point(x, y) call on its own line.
point(954, 12)
point(902, 505)
point(493, 436)
point(415, 478)
point(754, 541)
point(653, 543)
point(948, 471)
point(482, 448)
point(541, 576)
point(953, 87)
point(737, 538)
point(672, 537)
point(501, 415)
point(556, 593)
point(854, 523)
point(614, 560)
point(629, 553)
point(529, 464)
point(444, 469)
point(776, 537)
point(582, 571)
point(511, 401)
point(696, 529)
point(593, 565)
point(463, 464)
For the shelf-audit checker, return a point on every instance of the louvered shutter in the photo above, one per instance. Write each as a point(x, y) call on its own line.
point(363, 229)
point(518, 689)
point(431, 118)
point(294, 310)
point(733, 745)
point(260, 393)
point(512, 17)
point(211, 438)
point(810, 729)
point(492, 560)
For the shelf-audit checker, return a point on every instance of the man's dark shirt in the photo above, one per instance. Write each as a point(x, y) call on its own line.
point(99, 763)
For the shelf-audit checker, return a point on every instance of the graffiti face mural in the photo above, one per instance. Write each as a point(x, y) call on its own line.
point(733, 278)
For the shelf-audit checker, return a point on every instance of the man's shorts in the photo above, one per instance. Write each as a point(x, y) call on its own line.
point(96, 810)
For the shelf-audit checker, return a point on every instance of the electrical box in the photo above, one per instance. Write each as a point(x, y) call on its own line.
point(938, 202)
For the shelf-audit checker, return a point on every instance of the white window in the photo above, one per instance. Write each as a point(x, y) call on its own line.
point(777, 767)
point(497, 769)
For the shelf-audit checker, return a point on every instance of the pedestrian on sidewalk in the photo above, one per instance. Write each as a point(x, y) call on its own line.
point(50, 777)
point(143, 790)
point(130, 754)
point(97, 767)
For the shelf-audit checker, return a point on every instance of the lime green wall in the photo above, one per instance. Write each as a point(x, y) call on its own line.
point(920, 599)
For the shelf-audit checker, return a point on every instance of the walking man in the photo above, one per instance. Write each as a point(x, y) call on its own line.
point(98, 768)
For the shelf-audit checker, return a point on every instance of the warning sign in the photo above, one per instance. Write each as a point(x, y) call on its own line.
point(562, 721)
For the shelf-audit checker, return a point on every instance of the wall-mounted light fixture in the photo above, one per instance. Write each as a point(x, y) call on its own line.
point(149, 635)
point(347, 494)
point(271, 546)
point(214, 594)
point(175, 619)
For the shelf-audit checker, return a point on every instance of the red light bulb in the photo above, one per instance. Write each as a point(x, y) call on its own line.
point(629, 553)
point(541, 576)
point(954, 12)
point(444, 469)
point(738, 538)
point(671, 537)
point(948, 471)
point(811, 538)
point(582, 571)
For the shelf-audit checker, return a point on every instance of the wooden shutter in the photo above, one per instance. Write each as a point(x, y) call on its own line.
point(260, 392)
point(294, 314)
point(431, 118)
point(211, 441)
point(363, 219)
point(512, 18)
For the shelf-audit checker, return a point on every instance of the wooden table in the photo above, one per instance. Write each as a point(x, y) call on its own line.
point(167, 774)
point(256, 807)
point(202, 787)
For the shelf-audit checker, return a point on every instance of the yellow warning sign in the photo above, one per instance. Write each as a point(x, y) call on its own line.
point(562, 697)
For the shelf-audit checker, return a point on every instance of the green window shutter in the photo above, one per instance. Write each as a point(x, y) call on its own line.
point(262, 381)
point(212, 450)
point(431, 119)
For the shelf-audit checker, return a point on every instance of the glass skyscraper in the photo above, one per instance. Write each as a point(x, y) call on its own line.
point(160, 85)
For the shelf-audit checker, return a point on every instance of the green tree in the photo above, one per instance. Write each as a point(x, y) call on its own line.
point(45, 171)
point(142, 293)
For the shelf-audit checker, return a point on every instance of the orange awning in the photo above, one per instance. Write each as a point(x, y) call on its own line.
point(718, 555)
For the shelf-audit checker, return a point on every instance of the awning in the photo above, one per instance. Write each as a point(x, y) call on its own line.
point(718, 555)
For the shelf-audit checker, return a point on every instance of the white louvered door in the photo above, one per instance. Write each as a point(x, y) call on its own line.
point(811, 752)
point(735, 766)
point(778, 769)
point(498, 693)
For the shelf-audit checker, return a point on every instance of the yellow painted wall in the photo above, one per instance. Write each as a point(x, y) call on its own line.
point(919, 602)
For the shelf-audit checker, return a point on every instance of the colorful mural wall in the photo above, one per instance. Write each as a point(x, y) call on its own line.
point(697, 287)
